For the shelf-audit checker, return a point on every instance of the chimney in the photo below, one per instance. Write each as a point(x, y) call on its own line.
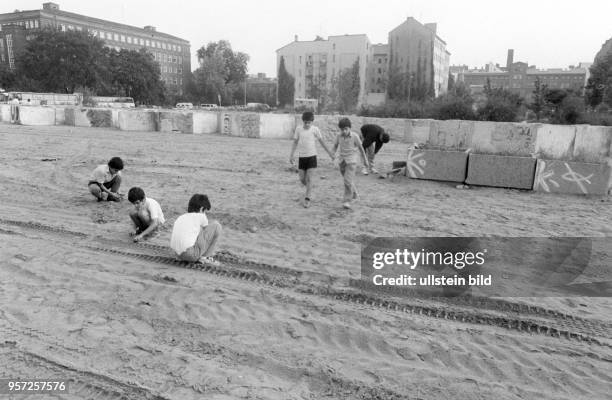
point(50, 6)
point(510, 58)
point(149, 28)
point(296, 38)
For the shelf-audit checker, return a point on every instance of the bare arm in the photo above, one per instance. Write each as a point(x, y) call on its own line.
point(147, 231)
point(293, 147)
point(362, 152)
point(331, 155)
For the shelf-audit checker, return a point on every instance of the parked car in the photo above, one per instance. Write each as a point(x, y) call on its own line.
point(208, 106)
point(260, 107)
point(184, 106)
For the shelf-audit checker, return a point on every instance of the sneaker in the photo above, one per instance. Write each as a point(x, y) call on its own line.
point(364, 171)
point(210, 261)
point(355, 196)
point(306, 202)
point(374, 170)
point(347, 205)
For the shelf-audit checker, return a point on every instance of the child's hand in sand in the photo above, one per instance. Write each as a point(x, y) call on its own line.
point(137, 238)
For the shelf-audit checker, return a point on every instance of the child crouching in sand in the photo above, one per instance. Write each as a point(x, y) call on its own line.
point(147, 215)
point(193, 237)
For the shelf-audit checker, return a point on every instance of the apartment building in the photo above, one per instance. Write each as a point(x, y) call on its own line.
point(171, 52)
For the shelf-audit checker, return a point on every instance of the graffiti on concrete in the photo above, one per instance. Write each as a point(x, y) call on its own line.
point(545, 178)
point(414, 165)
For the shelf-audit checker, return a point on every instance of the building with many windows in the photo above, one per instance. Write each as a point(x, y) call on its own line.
point(520, 78)
point(171, 52)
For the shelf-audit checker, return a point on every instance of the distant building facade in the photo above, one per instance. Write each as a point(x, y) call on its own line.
point(317, 64)
point(12, 40)
point(520, 78)
point(261, 89)
point(172, 53)
point(417, 51)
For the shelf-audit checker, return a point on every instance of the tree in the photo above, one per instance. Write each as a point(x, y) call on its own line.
point(538, 102)
point(348, 88)
point(501, 105)
point(599, 86)
point(286, 85)
point(7, 77)
point(222, 72)
point(137, 75)
point(60, 61)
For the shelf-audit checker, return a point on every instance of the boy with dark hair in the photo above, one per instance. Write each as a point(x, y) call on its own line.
point(147, 215)
point(349, 144)
point(106, 180)
point(304, 141)
point(373, 137)
point(194, 239)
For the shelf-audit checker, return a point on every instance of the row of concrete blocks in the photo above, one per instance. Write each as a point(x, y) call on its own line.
point(552, 176)
point(240, 124)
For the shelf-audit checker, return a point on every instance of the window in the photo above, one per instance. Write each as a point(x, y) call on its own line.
point(142, 42)
point(123, 38)
point(63, 27)
point(35, 23)
point(115, 37)
point(148, 43)
point(78, 28)
point(129, 39)
point(70, 27)
point(380, 60)
point(179, 48)
point(300, 59)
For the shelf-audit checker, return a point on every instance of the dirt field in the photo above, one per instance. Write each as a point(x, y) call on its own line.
point(278, 320)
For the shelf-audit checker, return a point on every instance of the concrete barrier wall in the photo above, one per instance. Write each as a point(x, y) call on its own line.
point(437, 165)
point(60, 116)
point(36, 116)
point(555, 142)
point(593, 144)
point(176, 121)
point(503, 138)
point(205, 122)
point(138, 121)
point(501, 171)
point(5, 112)
point(239, 124)
point(555, 176)
point(276, 126)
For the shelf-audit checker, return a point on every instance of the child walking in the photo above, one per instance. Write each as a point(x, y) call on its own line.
point(349, 144)
point(193, 237)
point(147, 215)
point(304, 142)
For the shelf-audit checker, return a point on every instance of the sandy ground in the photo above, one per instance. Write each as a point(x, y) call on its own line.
point(278, 320)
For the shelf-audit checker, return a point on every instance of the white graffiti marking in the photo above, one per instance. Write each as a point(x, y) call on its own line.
point(578, 179)
point(413, 164)
point(544, 177)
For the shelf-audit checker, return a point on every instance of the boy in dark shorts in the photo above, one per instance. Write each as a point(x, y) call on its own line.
point(106, 180)
point(304, 142)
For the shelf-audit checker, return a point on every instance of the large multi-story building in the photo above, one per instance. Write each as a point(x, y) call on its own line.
point(171, 52)
point(317, 64)
point(520, 78)
point(418, 52)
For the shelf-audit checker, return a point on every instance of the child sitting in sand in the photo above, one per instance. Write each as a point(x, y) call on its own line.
point(147, 215)
point(106, 180)
point(194, 239)
point(349, 144)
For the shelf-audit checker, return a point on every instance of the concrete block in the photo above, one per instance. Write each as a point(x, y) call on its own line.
point(450, 134)
point(138, 120)
point(239, 124)
point(592, 144)
point(419, 130)
point(115, 118)
point(276, 126)
point(60, 116)
point(556, 176)
point(176, 121)
point(5, 112)
point(503, 138)
point(36, 116)
point(437, 165)
point(501, 171)
point(205, 122)
point(555, 142)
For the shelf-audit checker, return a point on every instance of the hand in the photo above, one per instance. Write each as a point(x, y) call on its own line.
point(133, 233)
point(137, 238)
point(291, 161)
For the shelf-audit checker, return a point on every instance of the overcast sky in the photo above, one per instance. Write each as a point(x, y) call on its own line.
point(545, 33)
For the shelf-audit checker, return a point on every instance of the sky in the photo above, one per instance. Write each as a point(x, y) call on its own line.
point(544, 33)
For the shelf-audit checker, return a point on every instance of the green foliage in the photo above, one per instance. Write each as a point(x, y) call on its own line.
point(348, 88)
point(538, 102)
point(452, 106)
point(60, 61)
point(396, 109)
point(599, 86)
point(137, 75)
point(7, 77)
point(501, 105)
point(286, 85)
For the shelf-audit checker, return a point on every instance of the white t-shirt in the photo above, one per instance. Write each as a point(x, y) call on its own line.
point(154, 210)
point(307, 145)
point(186, 229)
point(102, 174)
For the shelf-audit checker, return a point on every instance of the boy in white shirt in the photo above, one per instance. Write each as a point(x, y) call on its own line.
point(106, 179)
point(349, 145)
point(147, 215)
point(194, 239)
point(304, 141)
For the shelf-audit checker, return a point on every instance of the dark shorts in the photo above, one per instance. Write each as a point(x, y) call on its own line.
point(307, 162)
point(107, 185)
